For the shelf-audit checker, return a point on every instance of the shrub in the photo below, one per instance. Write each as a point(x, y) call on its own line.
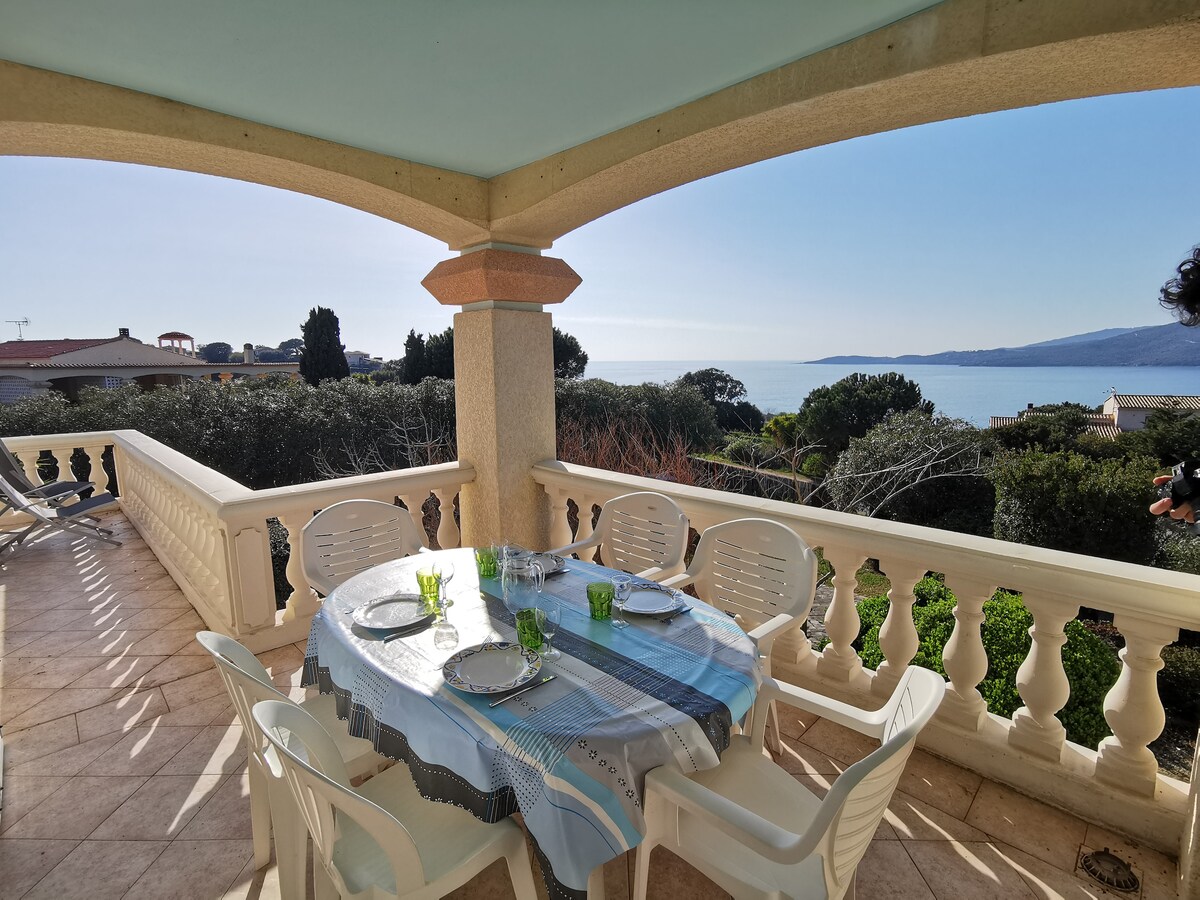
point(1178, 679)
point(1091, 665)
point(1178, 550)
point(667, 410)
point(748, 449)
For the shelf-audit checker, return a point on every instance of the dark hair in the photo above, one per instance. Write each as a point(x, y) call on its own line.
point(1182, 293)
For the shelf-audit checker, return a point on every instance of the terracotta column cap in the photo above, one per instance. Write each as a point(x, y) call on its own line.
point(501, 275)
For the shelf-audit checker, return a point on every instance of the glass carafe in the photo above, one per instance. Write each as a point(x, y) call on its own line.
point(521, 578)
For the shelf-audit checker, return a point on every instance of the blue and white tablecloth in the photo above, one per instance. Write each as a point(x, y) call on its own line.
point(573, 754)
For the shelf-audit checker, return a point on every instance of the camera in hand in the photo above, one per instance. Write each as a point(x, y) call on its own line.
point(1184, 486)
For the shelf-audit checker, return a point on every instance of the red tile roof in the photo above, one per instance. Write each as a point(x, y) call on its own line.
point(47, 349)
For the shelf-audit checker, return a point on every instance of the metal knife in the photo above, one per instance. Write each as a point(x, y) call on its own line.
point(666, 620)
point(528, 687)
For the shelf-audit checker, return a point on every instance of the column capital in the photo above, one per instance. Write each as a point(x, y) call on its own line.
point(501, 276)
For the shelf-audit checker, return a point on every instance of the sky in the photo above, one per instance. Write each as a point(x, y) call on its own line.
point(990, 231)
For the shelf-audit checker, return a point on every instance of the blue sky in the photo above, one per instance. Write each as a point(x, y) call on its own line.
point(996, 230)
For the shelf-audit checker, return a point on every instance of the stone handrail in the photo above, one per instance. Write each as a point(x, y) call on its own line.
point(212, 534)
point(1029, 750)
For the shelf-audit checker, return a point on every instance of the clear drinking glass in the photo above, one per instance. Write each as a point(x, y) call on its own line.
point(621, 584)
point(443, 572)
point(549, 616)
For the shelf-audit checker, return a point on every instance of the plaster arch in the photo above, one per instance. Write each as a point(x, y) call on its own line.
point(959, 58)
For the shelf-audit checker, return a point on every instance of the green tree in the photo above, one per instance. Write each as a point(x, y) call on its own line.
point(920, 469)
point(324, 355)
point(1066, 501)
point(265, 354)
point(292, 347)
point(727, 395)
point(439, 355)
point(412, 369)
point(216, 352)
point(570, 361)
point(833, 414)
point(1169, 436)
point(1055, 426)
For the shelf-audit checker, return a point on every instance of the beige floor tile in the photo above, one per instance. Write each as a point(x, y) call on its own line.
point(59, 703)
point(139, 619)
point(193, 869)
point(189, 621)
point(14, 701)
point(68, 761)
point(915, 820)
point(104, 870)
point(173, 668)
point(93, 600)
point(168, 643)
point(939, 783)
point(15, 667)
point(75, 809)
point(143, 750)
point(888, 873)
point(672, 878)
point(23, 793)
point(53, 620)
point(10, 617)
point(193, 689)
point(37, 601)
point(213, 711)
point(798, 757)
point(82, 643)
point(120, 672)
point(127, 710)
point(161, 808)
point(794, 722)
point(59, 671)
point(217, 749)
point(839, 742)
point(25, 863)
point(257, 884)
point(1048, 883)
point(956, 871)
point(493, 883)
point(225, 816)
point(1155, 870)
point(173, 598)
point(1038, 829)
point(40, 740)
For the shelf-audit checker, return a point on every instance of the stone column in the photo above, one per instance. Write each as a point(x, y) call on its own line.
point(503, 384)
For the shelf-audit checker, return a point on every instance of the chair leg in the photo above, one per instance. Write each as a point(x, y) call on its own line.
point(260, 816)
point(849, 895)
point(323, 886)
point(291, 841)
point(641, 869)
point(773, 735)
point(520, 872)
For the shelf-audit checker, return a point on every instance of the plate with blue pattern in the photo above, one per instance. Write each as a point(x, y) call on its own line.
point(491, 667)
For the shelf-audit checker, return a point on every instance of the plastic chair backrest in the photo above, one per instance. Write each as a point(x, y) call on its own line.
point(348, 537)
point(642, 531)
point(331, 809)
point(247, 683)
point(855, 805)
point(755, 569)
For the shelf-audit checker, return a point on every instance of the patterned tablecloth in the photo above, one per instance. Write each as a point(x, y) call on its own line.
point(573, 754)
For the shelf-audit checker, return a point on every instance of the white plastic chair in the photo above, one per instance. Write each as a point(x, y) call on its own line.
point(383, 839)
point(643, 533)
point(756, 831)
point(348, 537)
point(762, 573)
point(270, 800)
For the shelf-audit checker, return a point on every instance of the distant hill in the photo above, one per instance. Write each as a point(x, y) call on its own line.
point(1153, 345)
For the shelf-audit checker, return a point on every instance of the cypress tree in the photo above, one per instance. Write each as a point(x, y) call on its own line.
point(323, 355)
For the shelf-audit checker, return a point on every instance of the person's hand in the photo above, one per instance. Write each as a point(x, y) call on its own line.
point(1158, 507)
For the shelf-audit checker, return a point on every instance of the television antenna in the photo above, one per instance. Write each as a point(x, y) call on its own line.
point(20, 323)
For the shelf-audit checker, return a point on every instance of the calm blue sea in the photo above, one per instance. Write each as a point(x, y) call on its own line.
point(965, 392)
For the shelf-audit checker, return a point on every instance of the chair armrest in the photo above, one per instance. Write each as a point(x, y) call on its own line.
point(678, 581)
point(592, 541)
point(764, 635)
point(865, 721)
point(764, 838)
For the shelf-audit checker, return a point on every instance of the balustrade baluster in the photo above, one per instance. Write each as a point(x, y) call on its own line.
point(96, 471)
point(417, 514)
point(447, 531)
point(586, 524)
point(303, 599)
point(964, 658)
point(1133, 709)
point(63, 457)
point(29, 462)
point(560, 527)
point(898, 635)
point(1042, 680)
point(839, 660)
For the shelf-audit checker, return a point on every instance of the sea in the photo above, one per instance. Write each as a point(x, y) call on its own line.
point(974, 393)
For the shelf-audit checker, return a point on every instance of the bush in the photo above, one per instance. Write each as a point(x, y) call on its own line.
point(1091, 665)
point(1178, 550)
point(748, 449)
point(1178, 679)
point(666, 410)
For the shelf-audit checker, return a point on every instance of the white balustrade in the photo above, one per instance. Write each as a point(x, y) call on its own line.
point(96, 472)
point(1132, 707)
point(302, 602)
point(560, 525)
point(898, 639)
point(839, 661)
point(964, 657)
point(447, 531)
point(585, 511)
point(1042, 679)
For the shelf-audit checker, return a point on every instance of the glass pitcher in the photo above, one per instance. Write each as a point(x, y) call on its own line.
point(521, 578)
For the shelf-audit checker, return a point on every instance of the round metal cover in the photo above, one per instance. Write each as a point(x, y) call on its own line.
point(1110, 870)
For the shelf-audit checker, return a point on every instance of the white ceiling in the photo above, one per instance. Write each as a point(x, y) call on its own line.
point(478, 86)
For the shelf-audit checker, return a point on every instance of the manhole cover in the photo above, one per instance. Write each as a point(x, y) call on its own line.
point(1110, 870)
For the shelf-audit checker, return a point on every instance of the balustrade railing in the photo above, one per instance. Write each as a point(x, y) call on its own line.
point(1029, 750)
point(212, 534)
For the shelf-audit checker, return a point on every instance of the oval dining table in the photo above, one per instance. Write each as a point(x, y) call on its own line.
point(570, 755)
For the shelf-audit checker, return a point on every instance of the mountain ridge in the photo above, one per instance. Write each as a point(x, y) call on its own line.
point(1152, 345)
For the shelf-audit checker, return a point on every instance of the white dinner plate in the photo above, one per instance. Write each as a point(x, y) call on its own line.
point(491, 667)
point(391, 613)
point(652, 602)
point(550, 563)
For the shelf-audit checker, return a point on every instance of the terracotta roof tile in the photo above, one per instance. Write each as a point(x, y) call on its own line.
point(46, 349)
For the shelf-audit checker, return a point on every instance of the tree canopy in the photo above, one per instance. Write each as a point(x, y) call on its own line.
point(833, 414)
point(570, 360)
point(216, 352)
point(324, 355)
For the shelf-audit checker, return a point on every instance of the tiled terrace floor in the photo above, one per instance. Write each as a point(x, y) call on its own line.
point(124, 770)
